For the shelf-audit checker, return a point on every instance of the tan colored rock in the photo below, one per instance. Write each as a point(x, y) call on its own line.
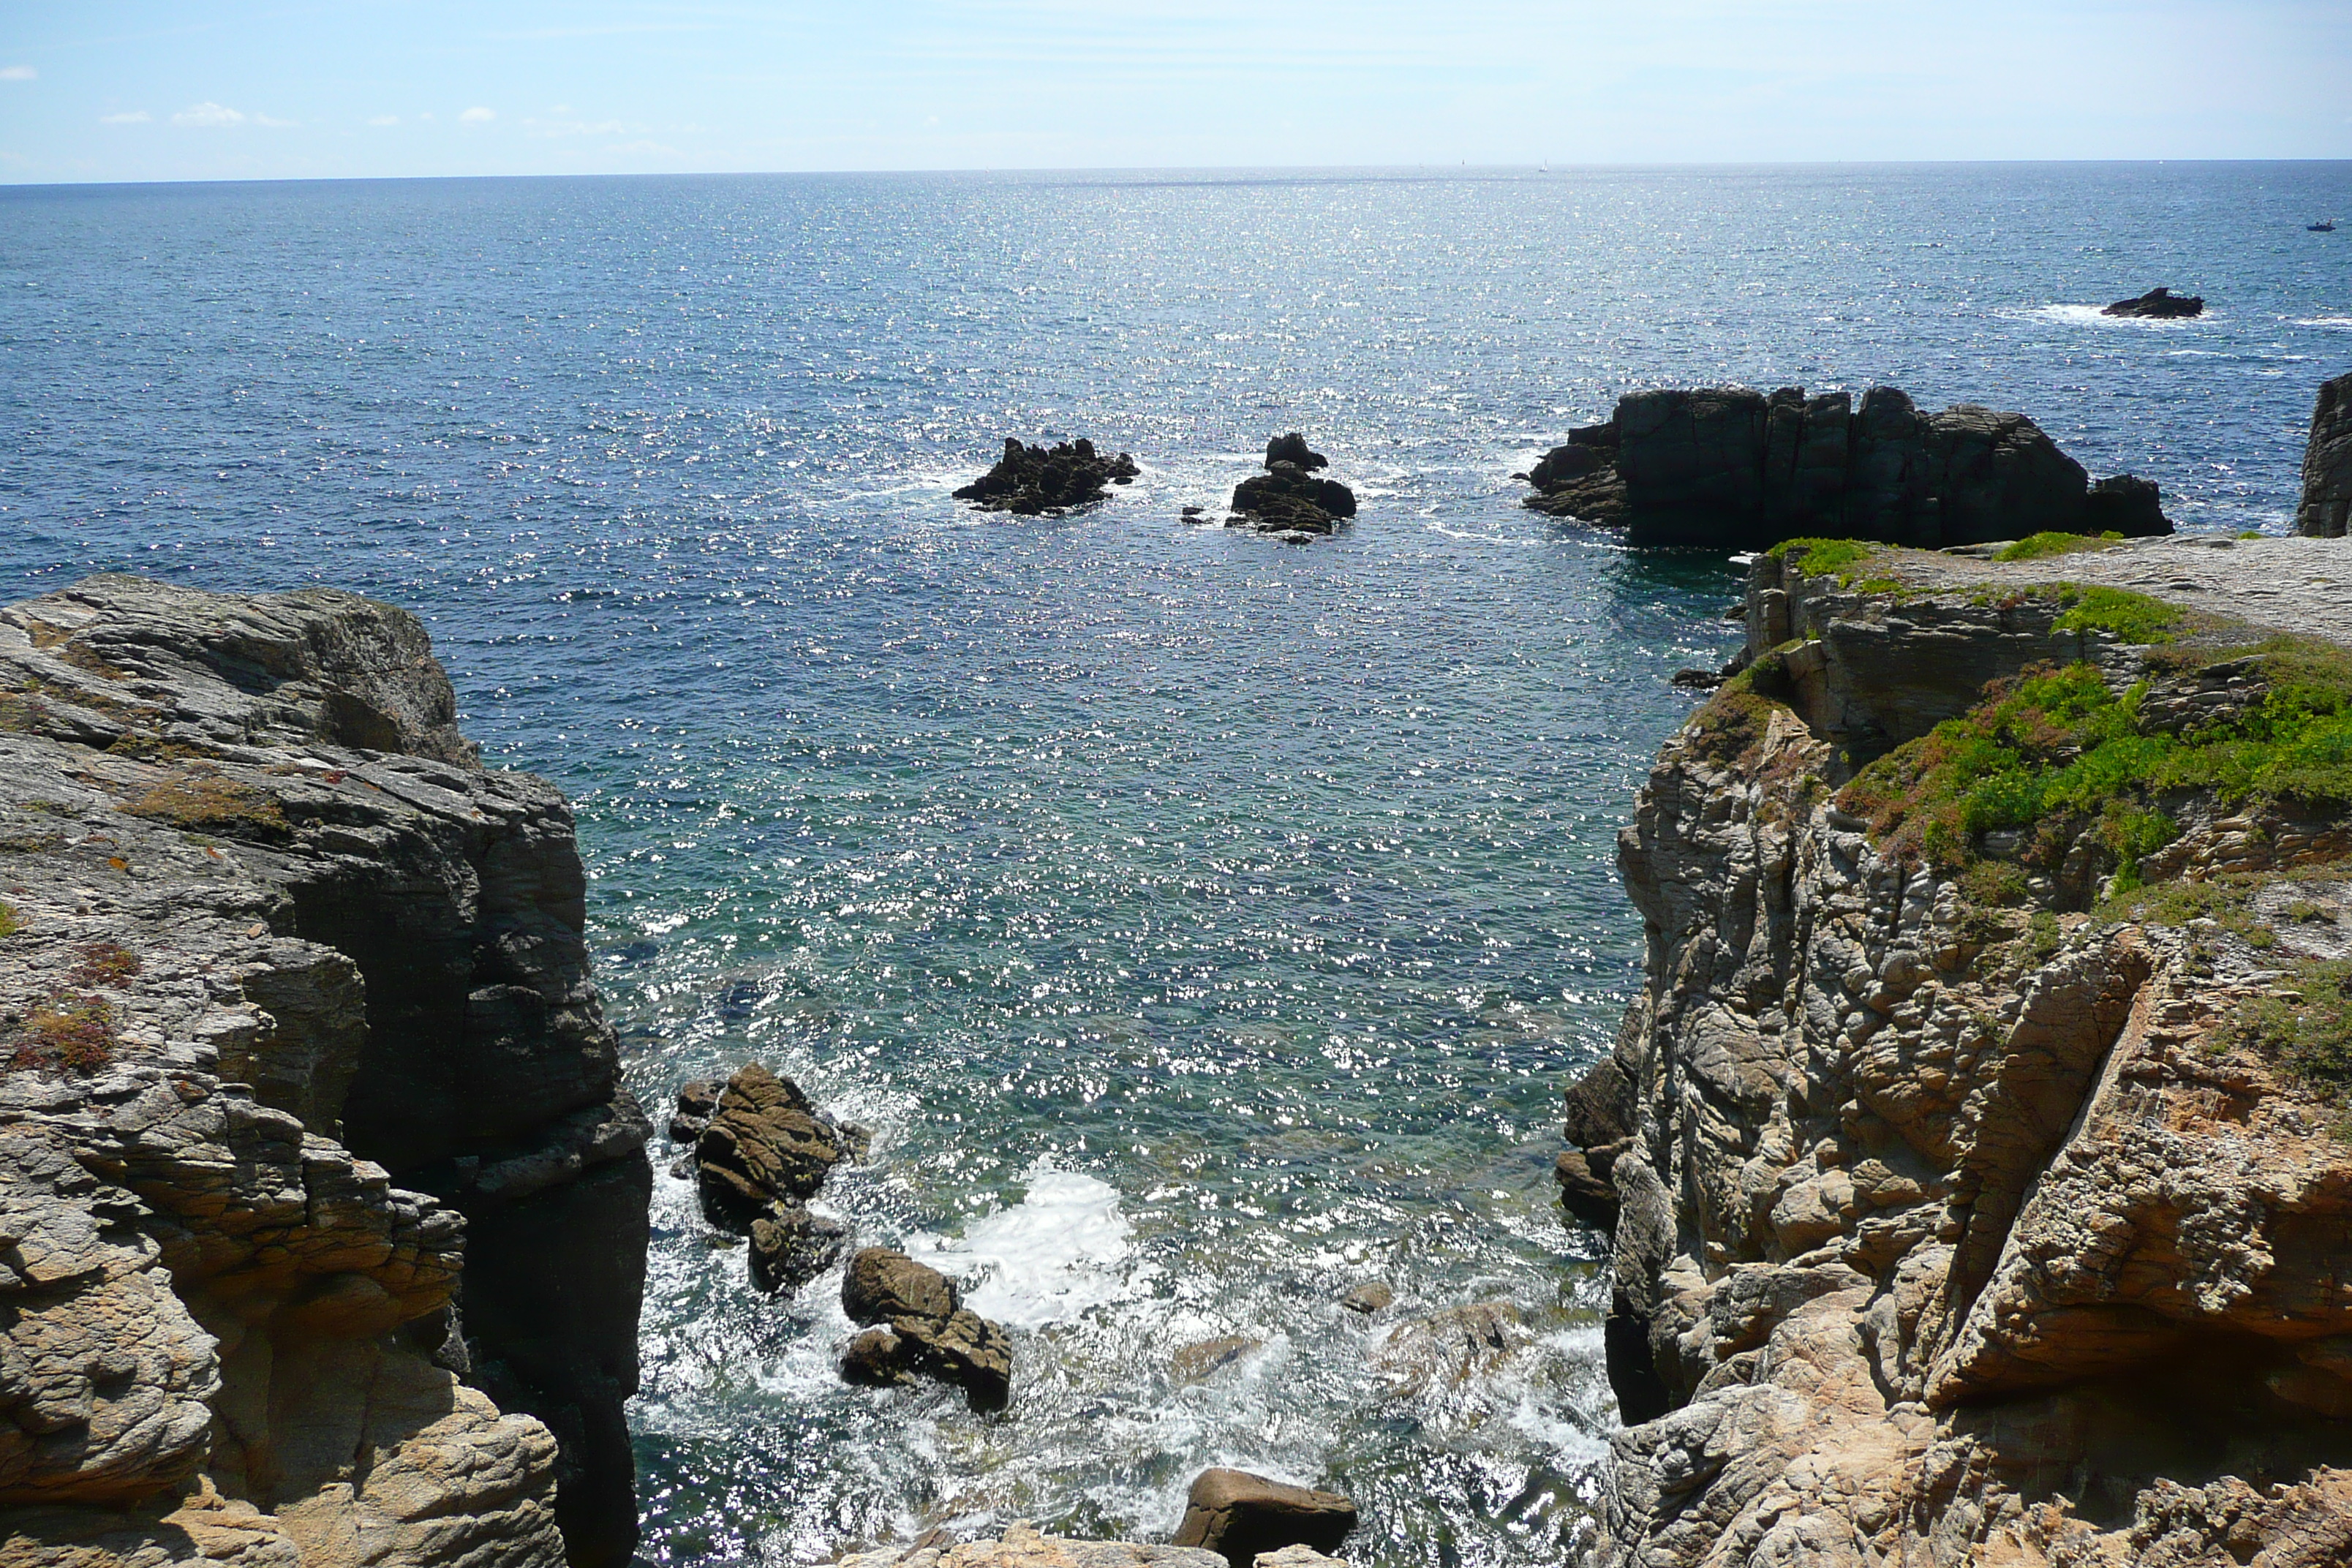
point(1920, 1210)
point(1021, 1546)
point(1239, 1516)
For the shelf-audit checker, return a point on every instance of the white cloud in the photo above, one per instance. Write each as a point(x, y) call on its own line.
point(208, 113)
point(478, 115)
point(17, 73)
point(134, 117)
point(274, 124)
point(386, 119)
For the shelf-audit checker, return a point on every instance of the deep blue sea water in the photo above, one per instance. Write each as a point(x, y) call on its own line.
point(1207, 924)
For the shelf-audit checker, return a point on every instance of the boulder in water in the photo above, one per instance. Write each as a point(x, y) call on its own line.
point(2157, 304)
point(921, 1327)
point(791, 1246)
point(1239, 1515)
point(698, 1102)
point(1033, 480)
point(1287, 499)
point(764, 1143)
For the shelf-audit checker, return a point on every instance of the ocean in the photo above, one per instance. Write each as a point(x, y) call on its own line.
point(1205, 925)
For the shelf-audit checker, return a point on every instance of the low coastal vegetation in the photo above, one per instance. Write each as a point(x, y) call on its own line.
point(66, 1032)
point(1844, 559)
point(2040, 546)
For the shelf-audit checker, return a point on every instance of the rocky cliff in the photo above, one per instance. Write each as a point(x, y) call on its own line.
point(1978, 1156)
point(1729, 467)
point(324, 1209)
point(2326, 506)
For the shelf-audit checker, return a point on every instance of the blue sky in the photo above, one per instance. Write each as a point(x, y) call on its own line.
point(111, 90)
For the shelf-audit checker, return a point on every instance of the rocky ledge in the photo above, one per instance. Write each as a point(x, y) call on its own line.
point(1733, 469)
point(2326, 504)
point(1975, 1157)
point(324, 1208)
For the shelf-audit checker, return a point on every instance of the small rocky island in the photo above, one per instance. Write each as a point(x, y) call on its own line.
point(1729, 467)
point(2157, 305)
point(1288, 499)
point(1034, 481)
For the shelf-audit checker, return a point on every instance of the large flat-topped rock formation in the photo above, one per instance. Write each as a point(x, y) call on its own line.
point(1733, 469)
point(325, 1210)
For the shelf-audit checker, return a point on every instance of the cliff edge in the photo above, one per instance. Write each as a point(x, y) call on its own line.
point(324, 1210)
point(1978, 1155)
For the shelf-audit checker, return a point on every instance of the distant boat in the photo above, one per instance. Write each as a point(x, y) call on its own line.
point(2327, 227)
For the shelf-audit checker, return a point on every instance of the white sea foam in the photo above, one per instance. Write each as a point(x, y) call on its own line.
point(1048, 1258)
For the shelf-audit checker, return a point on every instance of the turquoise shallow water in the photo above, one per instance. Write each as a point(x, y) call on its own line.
point(1205, 925)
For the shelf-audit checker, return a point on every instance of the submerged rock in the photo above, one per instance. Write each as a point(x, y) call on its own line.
point(1371, 1296)
point(1447, 1349)
point(1199, 1363)
point(2157, 304)
point(1032, 480)
point(922, 1327)
point(2326, 505)
point(1729, 467)
point(1238, 1515)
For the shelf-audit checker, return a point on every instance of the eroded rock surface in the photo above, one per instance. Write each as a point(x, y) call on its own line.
point(2326, 506)
point(1947, 1227)
point(1021, 1546)
point(1729, 467)
point(921, 1327)
point(302, 1051)
point(1239, 1516)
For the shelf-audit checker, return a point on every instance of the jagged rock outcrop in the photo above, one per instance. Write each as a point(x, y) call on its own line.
point(1037, 480)
point(920, 1325)
point(2326, 505)
point(2156, 304)
point(1288, 499)
point(1729, 467)
point(1957, 1218)
point(325, 1211)
point(760, 1151)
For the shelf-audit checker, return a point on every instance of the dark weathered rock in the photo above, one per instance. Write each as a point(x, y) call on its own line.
point(1728, 468)
point(1293, 448)
point(1238, 1515)
point(1032, 480)
point(886, 1284)
point(765, 1144)
point(2126, 504)
point(359, 1033)
point(698, 1102)
point(791, 1246)
point(1286, 498)
point(2328, 464)
point(2157, 304)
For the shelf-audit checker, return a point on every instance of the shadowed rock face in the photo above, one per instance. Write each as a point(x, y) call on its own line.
point(334, 1149)
point(2328, 464)
point(1728, 468)
point(2156, 304)
point(1035, 480)
point(1946, 1231)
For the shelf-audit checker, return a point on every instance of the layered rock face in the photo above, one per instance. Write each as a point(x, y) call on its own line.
point(2328, 464)
point(1728, 468)
point(1953, 1221)
point(325, 1211)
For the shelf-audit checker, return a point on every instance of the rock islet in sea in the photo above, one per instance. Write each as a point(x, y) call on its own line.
point(1034, 481)
point(2156, 305)
point(1288, 499)
point(1733, 469)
